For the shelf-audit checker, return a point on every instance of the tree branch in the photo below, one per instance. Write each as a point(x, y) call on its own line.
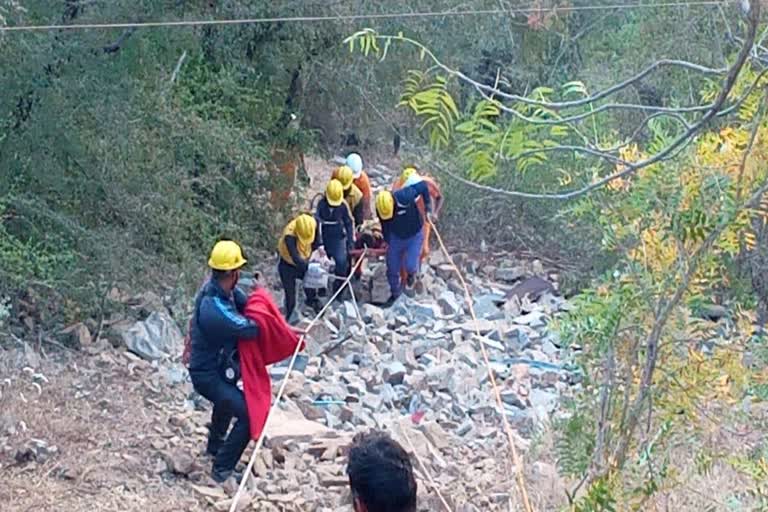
point(562, 104)
point(663, 313)
point(675, 146)
point(115, 47)
point(665, 309)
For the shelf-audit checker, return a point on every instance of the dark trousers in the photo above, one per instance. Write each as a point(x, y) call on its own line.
point(288, 276)
point(336, 249)
point(228, 403)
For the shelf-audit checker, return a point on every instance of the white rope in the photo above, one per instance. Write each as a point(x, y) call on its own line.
point(356, 17)
point(260, 440)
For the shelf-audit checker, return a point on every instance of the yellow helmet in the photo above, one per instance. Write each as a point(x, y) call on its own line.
point(346, 176)
point(334, 193)
point(385, 205)
point(407, 173)
point(305, 228)
point(226, 255)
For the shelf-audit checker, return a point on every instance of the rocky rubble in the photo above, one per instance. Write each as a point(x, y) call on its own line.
point(416, 370)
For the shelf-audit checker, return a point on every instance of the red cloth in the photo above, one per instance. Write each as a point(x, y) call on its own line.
point(275, 343)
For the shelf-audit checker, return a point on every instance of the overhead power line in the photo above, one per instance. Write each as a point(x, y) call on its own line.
point(356, 17)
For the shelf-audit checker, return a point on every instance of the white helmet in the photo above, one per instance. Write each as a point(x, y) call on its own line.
point(355, 162)
point(413, 179)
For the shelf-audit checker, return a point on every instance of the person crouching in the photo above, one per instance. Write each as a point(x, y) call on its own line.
point(295, 246)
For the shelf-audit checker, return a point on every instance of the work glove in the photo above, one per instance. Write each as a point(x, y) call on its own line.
point(432, 217)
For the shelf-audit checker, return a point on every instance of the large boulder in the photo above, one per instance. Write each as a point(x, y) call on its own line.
point(533, 288)
point(157, 337)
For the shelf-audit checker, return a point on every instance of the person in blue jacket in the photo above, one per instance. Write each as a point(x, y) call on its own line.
point(401, 226)
point(338, 235)
point(217, 325)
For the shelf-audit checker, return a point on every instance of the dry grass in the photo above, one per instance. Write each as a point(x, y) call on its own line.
point(103, 415)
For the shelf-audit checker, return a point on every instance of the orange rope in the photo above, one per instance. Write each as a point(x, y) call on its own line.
point(496, 393)
point(428, 475)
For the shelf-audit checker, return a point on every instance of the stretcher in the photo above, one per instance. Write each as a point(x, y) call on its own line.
point(377, 252)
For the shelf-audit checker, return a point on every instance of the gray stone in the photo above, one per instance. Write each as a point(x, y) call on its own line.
point(500, 370)
point(467, 355)
point(551, 302)
point(79, 335)
point(533, 319)
point(457, 337)
point(180, 463)
point(440, 376)
point(511, 397)
point(175, 375)
point(490, 343)
point(465, 428)
point(486, 307)
point(422, 346)
point(394, 372)
point(448, 303)
point(374, 315)
point(484, 326)
point(155, 338)
point(349, 310)
point(436, 435)
point(533, 287)
point(510, 274)
point(445, 271)
point(713, 312)
point(549, 348)
point(541, 399)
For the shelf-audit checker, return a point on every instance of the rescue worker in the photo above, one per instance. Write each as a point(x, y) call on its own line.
point(352, 194)
point(410, 176)
point(380, 475)
point(336, 230)
point(401, 225)
point(216, 327)
point(355, 162)
point(295, 246)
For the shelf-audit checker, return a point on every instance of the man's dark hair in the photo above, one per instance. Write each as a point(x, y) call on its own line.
point(380, 474)
point(220, 275)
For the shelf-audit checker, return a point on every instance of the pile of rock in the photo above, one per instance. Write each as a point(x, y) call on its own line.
point(417, 371)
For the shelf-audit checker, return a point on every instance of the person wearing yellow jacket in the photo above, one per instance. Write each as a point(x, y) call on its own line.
point(295, 246)
point(352, 195)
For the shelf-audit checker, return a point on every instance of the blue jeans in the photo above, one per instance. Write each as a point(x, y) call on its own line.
point(402, 253)
point(336, 249)
point(228, 403)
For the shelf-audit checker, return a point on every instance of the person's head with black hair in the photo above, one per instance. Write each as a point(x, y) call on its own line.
point(380, 475)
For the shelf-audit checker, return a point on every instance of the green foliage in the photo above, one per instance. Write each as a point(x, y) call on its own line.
point(598, 498)
point(756, 468)
point(24, 259)
point(575, 443)
point(430, 100)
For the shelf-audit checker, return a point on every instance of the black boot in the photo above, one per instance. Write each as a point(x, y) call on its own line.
point(215, 440)
point(390, 301)
point(213, 446)
point(315, 304)
point(221, 476)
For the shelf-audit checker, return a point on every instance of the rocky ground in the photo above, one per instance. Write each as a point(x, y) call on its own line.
point(116, 425)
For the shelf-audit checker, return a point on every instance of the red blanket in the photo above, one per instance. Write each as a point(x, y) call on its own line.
point(275, 343)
